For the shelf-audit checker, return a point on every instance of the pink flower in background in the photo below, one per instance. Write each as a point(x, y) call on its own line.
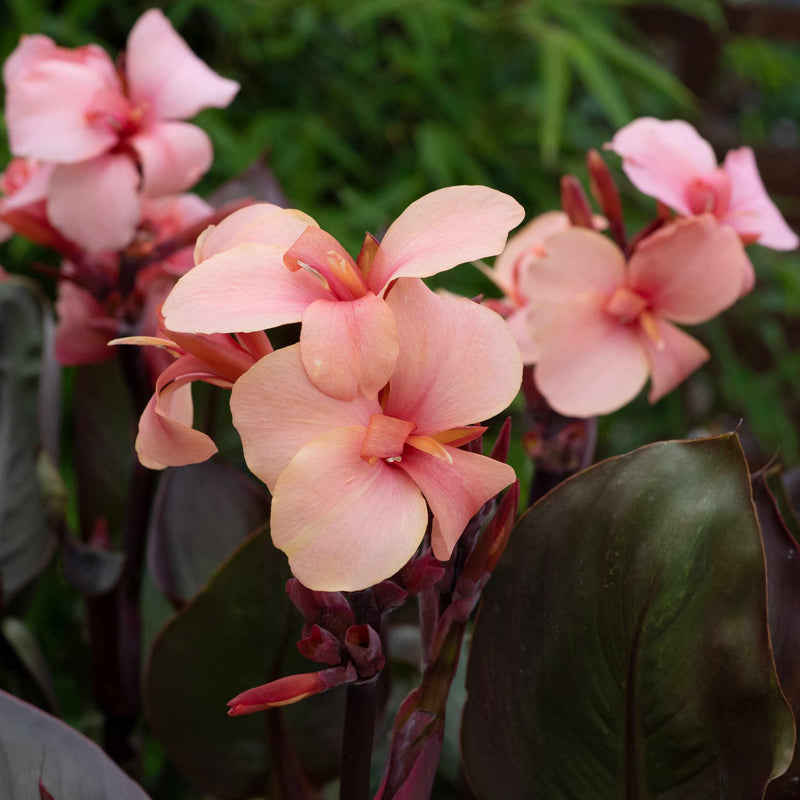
point(73, 109)
point(86, 324)
point(673, 163)
point(601, 326)
point(350, 479)
point(265, 266)
point(166, 436)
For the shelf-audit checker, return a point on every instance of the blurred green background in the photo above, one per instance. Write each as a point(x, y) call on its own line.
point(361, 106)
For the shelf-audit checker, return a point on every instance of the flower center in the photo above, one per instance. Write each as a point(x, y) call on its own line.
point(385, 438)
point(626, 305)
point(710, 194)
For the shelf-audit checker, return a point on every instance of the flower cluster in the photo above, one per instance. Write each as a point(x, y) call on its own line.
point(597, 318)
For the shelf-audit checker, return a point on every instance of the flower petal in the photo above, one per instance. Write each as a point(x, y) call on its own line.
point(591, 364)
point(173, 155)
point(524, 246)
point(458, 361)
point(96, 203)
point(349, 345)
point(519, 323)
point(166, 437)
point(247, 288)
point(261, 223)
point(672, 359)
point(164, 73)
point(49, 92)
point(443, 229)
point(277, 410)
point(662, 159)
point(690, 270)
point(455, 492)
point(345, 524)
point(751, 211)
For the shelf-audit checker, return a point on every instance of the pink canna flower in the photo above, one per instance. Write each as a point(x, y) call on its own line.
point(101, 128)
point(265, 266)
point(673, 163)
point(166, 436)
point(350, 478)
point(601, 326)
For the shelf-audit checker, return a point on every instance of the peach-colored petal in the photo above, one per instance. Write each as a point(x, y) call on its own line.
point(247, 288)
point(166, 437)
point(751, 211)
point(165, 75)
point(29, 181)
point(519, 323)
point(662, 159)
point(349, 345)
point(443, 229)
point(525, 245)
point(690, 270)
point(49, 94)
point(591, 365)
point(277, 410)
point(318, 250)
point(96, 203)
point(261, 223)
point(76, 340)
point(458, 361)
point(673, 357)
point(455, 492)
point(173, 156)
point(345, 524)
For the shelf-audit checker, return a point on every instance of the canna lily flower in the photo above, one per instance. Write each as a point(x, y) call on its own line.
point(166, 437)
point(265, 266)
point(673, 163)
point(602, 326)
point(350, 479)
point(101, 128)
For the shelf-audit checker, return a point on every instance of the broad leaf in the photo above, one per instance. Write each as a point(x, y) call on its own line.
point(26, 540)
point(231, 637)
point(202, 513)
point(622, 647)
point(783, 602)
point(39, 752)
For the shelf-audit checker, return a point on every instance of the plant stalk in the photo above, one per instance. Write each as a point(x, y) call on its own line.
point(359, 729)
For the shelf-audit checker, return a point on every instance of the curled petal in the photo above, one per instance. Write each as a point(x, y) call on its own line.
point(96, 203)
point(662, 159)
point(751, 212)
point(167, 76)
point(247, 288)
point(173, 155)
point(166, 437)
point(673, 354)
point(345, 524)
point(261, 223)
point(277, 410)
point(455, 492)
point(349, 346)
point(445, 342)
point(691, 270)
point(591, 365)
point(443, 229)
